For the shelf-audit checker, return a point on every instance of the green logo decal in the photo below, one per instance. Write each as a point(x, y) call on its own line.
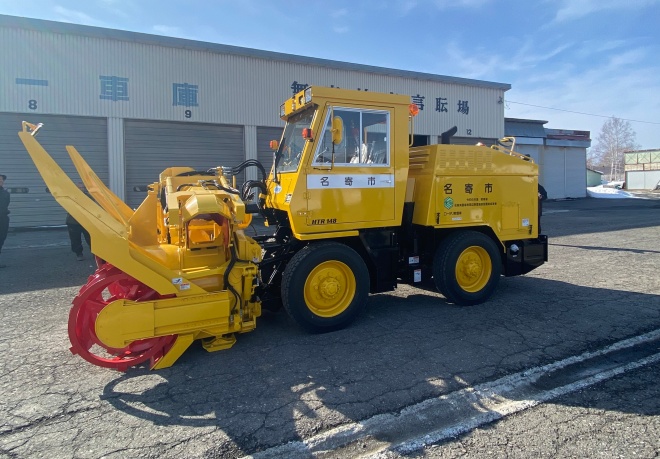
point(449, 203)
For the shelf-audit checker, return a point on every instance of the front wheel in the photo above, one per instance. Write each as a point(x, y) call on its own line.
point(325, 286)
point(467, 268)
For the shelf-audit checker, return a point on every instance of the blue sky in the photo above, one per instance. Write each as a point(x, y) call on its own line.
point(598, 57)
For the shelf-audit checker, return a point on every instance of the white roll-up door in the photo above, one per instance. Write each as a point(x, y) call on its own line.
point(152, 146)
point(554, 166)
point(31, 203)
point(642, 180)
point(576, 172)
point(564, 172)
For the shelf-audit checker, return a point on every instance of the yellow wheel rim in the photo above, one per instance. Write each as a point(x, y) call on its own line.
point(473, 269)
point(329, 289)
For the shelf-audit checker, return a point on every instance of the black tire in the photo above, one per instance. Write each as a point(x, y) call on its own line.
point(467, 267)
point(325, 286)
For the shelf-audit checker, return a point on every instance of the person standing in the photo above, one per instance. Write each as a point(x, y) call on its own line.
point(77, 232)
point(4, 212)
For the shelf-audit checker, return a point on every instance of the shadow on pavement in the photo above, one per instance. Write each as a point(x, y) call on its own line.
point(279, 384)
point(611, 249)
point(583, 216)
point(29, 269)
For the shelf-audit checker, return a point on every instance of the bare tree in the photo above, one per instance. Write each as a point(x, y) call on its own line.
point(594, 161)
point(616, 136)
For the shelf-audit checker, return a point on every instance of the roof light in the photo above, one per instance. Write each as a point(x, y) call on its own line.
point(413, 109)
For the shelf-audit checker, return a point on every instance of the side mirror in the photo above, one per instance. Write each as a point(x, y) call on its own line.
point(337, 130)
point(274, 145)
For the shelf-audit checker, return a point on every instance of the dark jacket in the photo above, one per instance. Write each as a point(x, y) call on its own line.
point(69, 219)
point(4, 202)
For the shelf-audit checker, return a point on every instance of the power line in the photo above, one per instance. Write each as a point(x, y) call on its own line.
point(579, 113)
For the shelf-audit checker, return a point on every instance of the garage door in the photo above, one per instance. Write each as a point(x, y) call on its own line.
point(152, 146)
point(576, 173)
point(264, 153)
point(31, 203)
point(642, 180)
point(564, 173)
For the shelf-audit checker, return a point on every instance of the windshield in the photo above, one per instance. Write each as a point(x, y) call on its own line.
point(291, 148)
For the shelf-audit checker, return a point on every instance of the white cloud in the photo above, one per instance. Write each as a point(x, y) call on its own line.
point(76, 17)
point(445, 4)
point(590, 49)
point(167, 30)
point(406, 6)
point(566, 77)
point(610, 45)
point(625, 59)
point(122, 8)
point(339, 13)
point(340, 29)
point(608, 89)
point(572, 9)
point(470, 65)
point(478, 64)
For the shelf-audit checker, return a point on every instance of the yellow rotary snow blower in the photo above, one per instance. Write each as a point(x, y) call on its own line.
point(354, 210)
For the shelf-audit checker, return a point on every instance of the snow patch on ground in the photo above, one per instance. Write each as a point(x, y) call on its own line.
point(607, 193)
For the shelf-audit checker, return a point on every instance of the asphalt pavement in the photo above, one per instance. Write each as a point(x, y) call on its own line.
point(279, 386)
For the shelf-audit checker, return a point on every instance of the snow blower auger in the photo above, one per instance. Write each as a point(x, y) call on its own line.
point(177, 269)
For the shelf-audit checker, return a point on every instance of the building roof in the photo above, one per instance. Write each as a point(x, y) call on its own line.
point(41, 25)
point(517, 127)
point(653, 150)
point(533, 132)
point(568, 134)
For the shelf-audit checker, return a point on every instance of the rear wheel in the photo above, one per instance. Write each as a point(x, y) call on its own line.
point(467, 268)
point(325, 286)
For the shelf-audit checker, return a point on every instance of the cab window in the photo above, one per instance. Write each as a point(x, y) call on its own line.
point(365, 140)
point(293, 143)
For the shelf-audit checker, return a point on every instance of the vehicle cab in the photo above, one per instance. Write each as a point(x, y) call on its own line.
point(342, 162)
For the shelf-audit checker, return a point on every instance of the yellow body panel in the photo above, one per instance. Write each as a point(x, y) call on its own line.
point(122, 321)
point(463, 186)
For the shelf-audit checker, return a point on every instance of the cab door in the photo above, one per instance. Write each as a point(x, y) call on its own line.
point(350, 185)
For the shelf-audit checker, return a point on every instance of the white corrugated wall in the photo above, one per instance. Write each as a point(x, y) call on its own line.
point(231, 89)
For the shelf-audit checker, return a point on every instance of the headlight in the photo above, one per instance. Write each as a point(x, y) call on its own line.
point(281, 110)
point(308, 95)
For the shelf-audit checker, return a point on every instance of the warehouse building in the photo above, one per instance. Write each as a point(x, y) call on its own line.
point(642, 169)
point(134, 104)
